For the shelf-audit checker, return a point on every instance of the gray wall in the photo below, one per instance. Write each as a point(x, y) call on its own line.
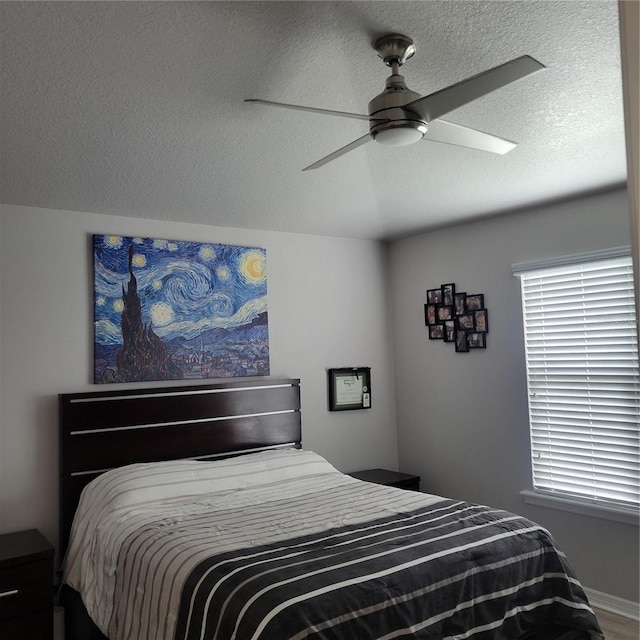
point(462, 418)
point(318, 318)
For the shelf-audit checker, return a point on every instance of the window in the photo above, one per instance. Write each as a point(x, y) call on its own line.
point(583, 380)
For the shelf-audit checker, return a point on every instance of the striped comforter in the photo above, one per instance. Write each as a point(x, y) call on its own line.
point(280, 545)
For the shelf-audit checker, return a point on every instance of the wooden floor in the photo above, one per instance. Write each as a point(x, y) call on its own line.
point(617, 627)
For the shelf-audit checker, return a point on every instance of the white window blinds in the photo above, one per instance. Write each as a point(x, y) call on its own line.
point(583, 381)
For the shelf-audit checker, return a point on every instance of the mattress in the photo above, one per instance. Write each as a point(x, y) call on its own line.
point(280, 544)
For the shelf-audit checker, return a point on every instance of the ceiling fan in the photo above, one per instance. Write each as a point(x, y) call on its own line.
point(399, 116)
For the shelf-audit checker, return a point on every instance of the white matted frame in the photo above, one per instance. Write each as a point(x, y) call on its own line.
point(349, 388)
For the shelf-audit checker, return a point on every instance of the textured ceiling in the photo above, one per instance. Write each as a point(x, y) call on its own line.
point(136, 109)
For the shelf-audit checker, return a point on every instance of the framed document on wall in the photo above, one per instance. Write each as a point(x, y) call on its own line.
point(349, 388)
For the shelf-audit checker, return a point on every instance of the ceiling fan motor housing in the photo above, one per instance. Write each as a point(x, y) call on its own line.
point(390, 122)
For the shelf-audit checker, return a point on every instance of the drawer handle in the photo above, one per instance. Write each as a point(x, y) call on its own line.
point(6, 594)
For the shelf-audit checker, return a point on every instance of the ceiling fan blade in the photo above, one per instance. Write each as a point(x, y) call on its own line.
point(340, 152)
point(297, 107)
point(437, 104)
point(450, 133)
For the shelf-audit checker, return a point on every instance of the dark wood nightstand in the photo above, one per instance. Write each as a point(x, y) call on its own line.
point(389, 478)
point(26, 586)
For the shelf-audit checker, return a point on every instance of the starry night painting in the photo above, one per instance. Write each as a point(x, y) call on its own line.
point(172, 310)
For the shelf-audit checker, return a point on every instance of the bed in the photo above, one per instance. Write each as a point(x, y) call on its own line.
point(195, 513)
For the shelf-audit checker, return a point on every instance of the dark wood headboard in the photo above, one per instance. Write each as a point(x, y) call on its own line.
point(103, 430)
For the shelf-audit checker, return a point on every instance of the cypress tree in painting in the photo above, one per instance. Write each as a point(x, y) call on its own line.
point(143, 355)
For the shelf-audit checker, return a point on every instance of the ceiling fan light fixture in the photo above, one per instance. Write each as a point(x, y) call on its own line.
point(399, 134)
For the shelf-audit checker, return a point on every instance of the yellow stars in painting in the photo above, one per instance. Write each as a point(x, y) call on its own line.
point(207, 252)
point(253, 267)
point(161, 314)
point(113, 242)
point(159, 243)
point(139, 260)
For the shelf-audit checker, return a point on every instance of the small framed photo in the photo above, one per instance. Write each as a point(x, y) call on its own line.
point(436, 332)
point(448, 291)
point(481, 321)
point(430, 314)
point(449, 330)
point(462, 342)
point(466, 322)
point(477, 340)
point(349, 388)
point(475, 301)
point(434, 296)
point(460, 303)
point(445, 312)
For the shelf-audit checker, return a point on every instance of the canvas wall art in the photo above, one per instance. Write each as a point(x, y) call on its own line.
point(172, 310)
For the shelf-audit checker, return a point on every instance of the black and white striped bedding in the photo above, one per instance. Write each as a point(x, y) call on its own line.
point(284, 546)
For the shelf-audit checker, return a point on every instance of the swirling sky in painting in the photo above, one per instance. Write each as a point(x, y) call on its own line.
point(187, 290)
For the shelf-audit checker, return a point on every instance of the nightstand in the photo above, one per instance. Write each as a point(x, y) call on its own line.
point(389, 478)
point(26, 586)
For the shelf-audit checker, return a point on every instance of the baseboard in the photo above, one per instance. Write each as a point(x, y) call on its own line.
point(619, 606)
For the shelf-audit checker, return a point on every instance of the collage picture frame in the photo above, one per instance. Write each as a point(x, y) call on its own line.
point(457, 317)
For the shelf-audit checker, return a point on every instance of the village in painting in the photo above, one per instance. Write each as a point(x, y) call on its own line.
point(172, 310)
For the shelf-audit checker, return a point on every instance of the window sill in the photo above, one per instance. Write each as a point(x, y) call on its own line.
point(627, 516)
